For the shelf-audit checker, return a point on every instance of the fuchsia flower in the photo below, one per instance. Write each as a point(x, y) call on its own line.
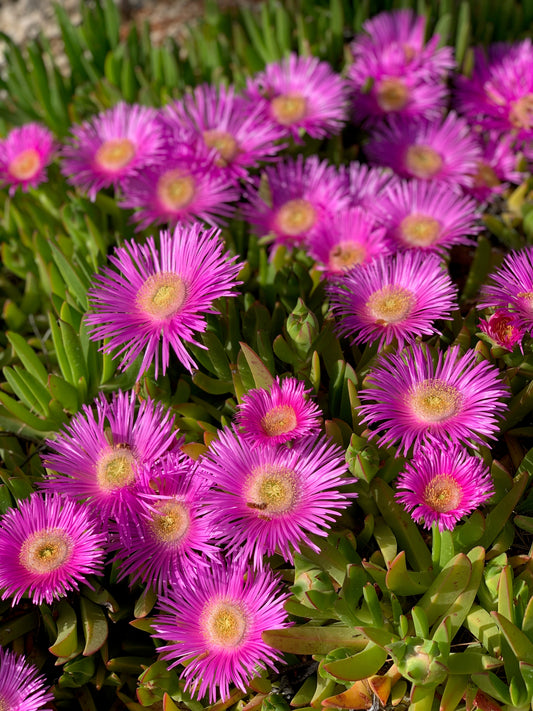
point(304, 195)
point(302, 94)
point(511, 288)
point(395, 297)
point(427, 216)
point(157, 299)
point(444, 150)
point(366, 184)
point(22, 688)
point(49, 546)
point(215, 626)
point(166, 535)
point(497, 167)
point(111, 147)
point(269, 499)
point(97, 460)
point(442, 485)
point(24, 155)
point(503, 328)
point(278, 415)
point(416, 399)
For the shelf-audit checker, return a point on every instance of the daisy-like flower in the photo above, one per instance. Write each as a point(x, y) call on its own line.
point(22, 688)
point(278, 415)
point(367, 184)
point(304, 195)
point(269, 499)
point(215, 626)
point(414, 399)
point(511, 288)
point(444, 150)
point(98, 459)
point(427, 216)
point(441, 485)
point(302, 94)
point(497, 167)
point(158, 298)
point(24, 155)
point(350, 239)
point(49, 545)
point(112, 146)
point(239, 131)
point(395, 297)
point(168, 534)
point(503, 328)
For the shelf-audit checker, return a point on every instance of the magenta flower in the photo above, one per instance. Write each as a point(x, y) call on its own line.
point(240, 132)
point(503, 328)
point(168, 534)
point(24, 155)
point(278, 415)
point(350, 239)
point(427, 216)
point(440, 486)
point(269, 499)
point(304, 195)
point(111, 147)
point(157, 299)
point(22, 688)
point(215, 626)
point(49, 546)
point(444, 150)
point(97, 460)
point(416, 399)
point(367, 185)
point(511, 288)
point(302, 94)
point(395, 297)
point(497, 167)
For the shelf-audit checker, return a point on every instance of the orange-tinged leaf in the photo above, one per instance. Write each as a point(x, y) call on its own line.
point(358, 696)
point(194, 449)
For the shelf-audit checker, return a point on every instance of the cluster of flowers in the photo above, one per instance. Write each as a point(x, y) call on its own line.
point(120, 482)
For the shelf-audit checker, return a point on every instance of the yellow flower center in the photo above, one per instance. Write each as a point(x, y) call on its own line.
point(435, 401)
point(25, 165)
point(345, 255)
point(423, 161)
point(45, 550)
point(115, 468)
point(115, 154)
point(527, 296)
point(171, 522)
point(392, 94)
point(419, 230)
point(5, 704)
point(485, 177)
point(296, 217)
point(279, 420)
point(162, 295)
point(391, 304)
point(442, 493)
point(289, 108)
point(225, 144)
point(521, 113)
point(175, 189)
point(271, 490)
point(224, 624)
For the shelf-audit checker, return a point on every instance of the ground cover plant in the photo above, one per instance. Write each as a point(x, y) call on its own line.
point(267, 361)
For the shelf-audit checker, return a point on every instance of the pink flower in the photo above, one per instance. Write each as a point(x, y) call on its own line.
point(503, 328)
point(24, 155)
point(22, 688)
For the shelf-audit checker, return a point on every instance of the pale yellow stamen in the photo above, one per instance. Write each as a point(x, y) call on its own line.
point(419, 230)
point(115, 468)
point(289, 108)
point(296, 217)
point(162, 295)
point(521, 113)
point(225, 144)
point(485, 177)
point(279, 420)
point(442, 494)
point(115, 154)
point(171, 522)
point(390, 305)
point(392, 94)
point(224, 624)
point(527, 296)
point(345, 255)
point(25, 165)
point(435, 401)
point(175, 189)
point(271, 490)
point(423, 161)
point(45, 550)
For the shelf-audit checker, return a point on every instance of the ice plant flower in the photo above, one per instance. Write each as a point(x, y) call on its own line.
point(303, 195)
point(427, 216)
point(280, 414)
point(511, 288)
point(503, 328)
point(215, 626)
point(112, 146)
point(416, 399)
point(269, 499)
point(24, 155)
point(49, 545)
point(22, 688)
point(155, 299)
point(97, 458)
point(440, 150)
point(351, 238)
point(366, 184)
point(302, 94)
point(395, 297)
point(441, 485)
point(496, 168)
